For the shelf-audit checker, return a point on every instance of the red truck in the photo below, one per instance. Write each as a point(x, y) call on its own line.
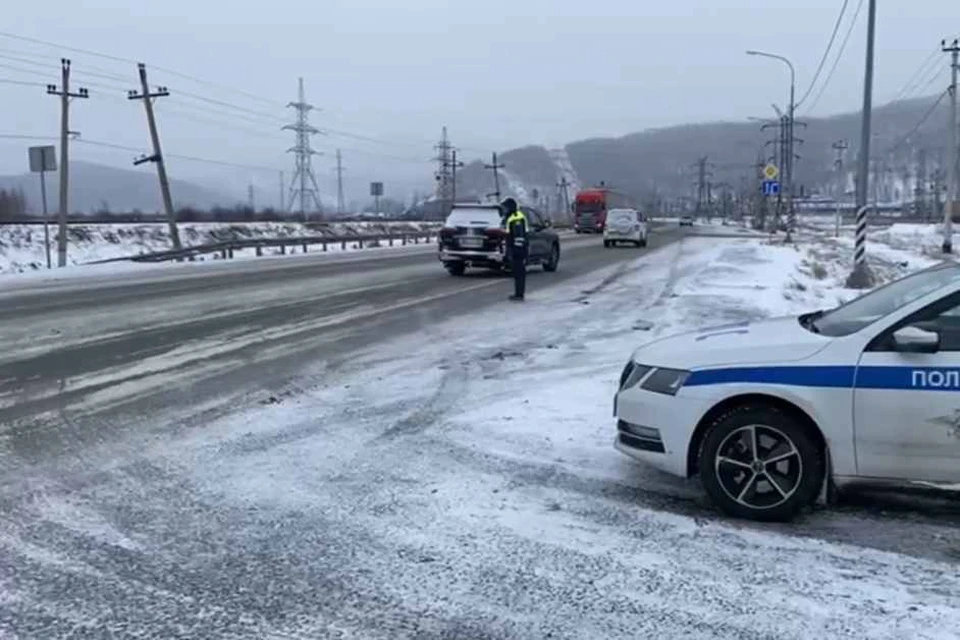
point(591, 205)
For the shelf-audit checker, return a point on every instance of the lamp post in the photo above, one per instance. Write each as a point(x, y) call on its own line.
point(788, 155)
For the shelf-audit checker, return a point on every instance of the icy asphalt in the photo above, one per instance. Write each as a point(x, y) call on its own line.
point(285, 453)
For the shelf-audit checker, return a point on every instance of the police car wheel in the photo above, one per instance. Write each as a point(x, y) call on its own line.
point(759, 463)
point(456, 268)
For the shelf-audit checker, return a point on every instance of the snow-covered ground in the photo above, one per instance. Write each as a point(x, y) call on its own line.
point(22, 246)
point(466, 476)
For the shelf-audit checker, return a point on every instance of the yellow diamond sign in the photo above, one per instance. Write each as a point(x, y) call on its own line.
point(770, 172)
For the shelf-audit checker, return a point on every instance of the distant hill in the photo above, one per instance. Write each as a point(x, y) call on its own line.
point(95, 186)
point(660, 161)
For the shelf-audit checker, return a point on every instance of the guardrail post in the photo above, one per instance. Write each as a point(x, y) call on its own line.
point(283, 249)
point(223, 254)
point(259, 250)
point(324, 247)
point(343, 245)
point(390, 240)
point(403, 241)
point(360, 243)
point(304, 247)
point(230, 253)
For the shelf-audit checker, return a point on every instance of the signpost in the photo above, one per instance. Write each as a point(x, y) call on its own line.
point(770, 185)
point(43, 159)
point(376, 190)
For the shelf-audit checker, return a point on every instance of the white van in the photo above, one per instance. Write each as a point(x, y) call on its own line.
point(625, 225)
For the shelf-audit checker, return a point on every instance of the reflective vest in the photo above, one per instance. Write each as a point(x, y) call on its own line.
point(515, 217)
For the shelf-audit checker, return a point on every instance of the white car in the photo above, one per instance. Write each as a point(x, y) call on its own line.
point(772, 413)
point(625, 225)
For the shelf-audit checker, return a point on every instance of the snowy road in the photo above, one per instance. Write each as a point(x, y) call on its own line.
point(384, 470)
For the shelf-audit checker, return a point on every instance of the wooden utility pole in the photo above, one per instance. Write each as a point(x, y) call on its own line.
point(495, 167)
point(157, 156)
point(65, 95)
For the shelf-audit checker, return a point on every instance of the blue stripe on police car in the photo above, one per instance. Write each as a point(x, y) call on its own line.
point(843, 377)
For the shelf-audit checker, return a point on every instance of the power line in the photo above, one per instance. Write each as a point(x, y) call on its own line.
point(924, 67)
point(106, 56)
point(6, 54)
point(826, 52)
point(836, 61)
point(22, 83)
point(231, 105)
point(929, 112)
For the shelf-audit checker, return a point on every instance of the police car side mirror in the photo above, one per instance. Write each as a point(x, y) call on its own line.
point(912, 339)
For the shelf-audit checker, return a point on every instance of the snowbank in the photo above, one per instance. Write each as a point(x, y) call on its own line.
point(22, 246)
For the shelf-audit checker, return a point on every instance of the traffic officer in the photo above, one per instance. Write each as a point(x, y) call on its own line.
point(518, 246)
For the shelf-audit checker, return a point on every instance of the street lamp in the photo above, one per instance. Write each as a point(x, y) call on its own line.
point(788, 153)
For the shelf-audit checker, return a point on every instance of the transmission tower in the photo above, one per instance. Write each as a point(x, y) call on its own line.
point(303, 186)
point(444, 175)
point(703, 197)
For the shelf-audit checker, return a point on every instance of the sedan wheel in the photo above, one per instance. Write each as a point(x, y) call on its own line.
point(554, 260)
point(762, 464)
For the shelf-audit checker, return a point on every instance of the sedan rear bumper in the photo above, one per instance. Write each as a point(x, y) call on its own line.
point(475, 258)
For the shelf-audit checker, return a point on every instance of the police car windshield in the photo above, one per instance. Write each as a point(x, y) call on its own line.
point(867, 309)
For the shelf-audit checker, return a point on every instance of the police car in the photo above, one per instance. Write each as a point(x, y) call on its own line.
point(770, 414)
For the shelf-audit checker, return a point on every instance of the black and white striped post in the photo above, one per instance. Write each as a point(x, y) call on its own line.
point(861, 276)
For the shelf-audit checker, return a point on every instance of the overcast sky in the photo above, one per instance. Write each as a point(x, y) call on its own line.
point(499, 73)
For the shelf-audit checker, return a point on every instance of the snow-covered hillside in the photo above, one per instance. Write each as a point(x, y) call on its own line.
point(22, 246)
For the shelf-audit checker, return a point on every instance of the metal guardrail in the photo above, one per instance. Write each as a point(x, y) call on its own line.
point(227, 248)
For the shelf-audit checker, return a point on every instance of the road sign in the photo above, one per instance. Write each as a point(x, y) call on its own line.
point(376, 189)
point(770, 187)
point(771, 172)
point(43, 159)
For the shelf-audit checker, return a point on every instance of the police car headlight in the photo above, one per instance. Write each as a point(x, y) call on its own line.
point(632, 374)
point(668, 381)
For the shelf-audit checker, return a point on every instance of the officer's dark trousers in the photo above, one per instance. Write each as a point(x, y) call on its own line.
point(519, 269)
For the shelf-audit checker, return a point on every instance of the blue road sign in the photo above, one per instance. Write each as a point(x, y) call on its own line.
point(770, 187)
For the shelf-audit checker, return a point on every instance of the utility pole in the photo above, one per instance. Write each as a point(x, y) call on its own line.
point(495, 167)
point(760, 214)
point(303, 152)
point(251, 202)
point(563, 196)
point(791, 157)
point(454, 165)
point(65, 95)
point(781, 148)
point(703, 187)
point(920, 192)
point(840, 147)
point(283, 187)
point(340, 203)
point(861, 277)
point(954, 50)
point(157, 156)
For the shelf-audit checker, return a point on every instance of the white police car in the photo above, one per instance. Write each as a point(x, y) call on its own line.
point(770, 413)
